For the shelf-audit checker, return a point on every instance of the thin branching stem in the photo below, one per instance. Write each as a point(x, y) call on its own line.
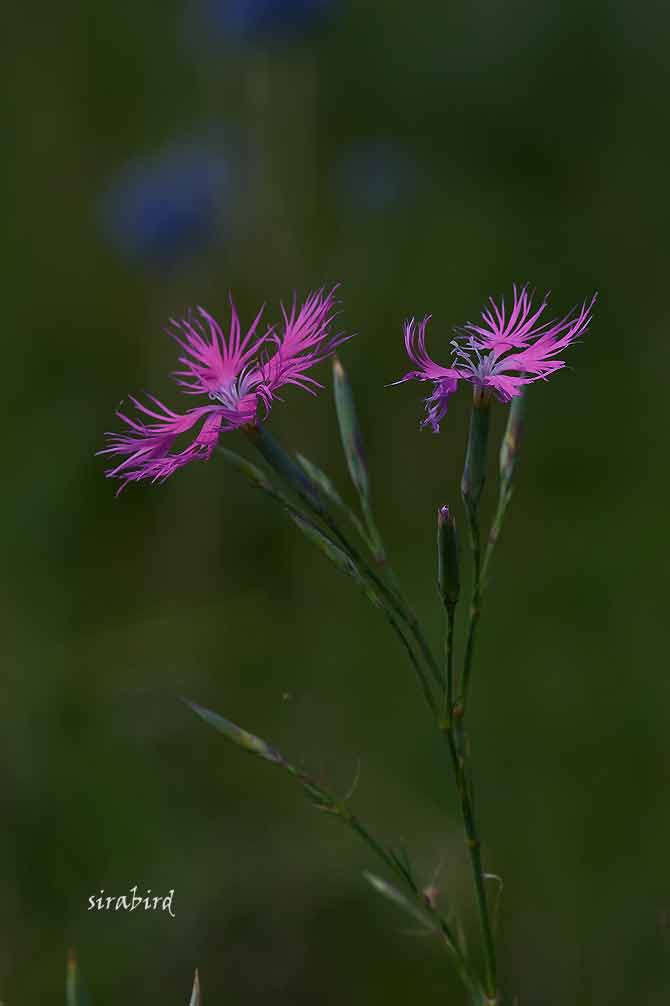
point(394, 598)
point(475, 603)
point(420, 673)
point(496, 527)
point(327, 802)
point(459, 757)
point(453, 730)
point(448, 709)
point(310, 495)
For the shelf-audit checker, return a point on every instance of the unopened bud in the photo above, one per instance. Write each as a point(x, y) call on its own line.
point(447, 557)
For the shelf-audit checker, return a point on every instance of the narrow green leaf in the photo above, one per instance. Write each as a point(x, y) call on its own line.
point(286, 467)
point(392, 894)
point(247, 468)
point(352, 444)
point(337, 555)
point(320, 478)
point(350, 431)
point(74, 993)
point(195, 994)
point(71, 980)
point(511, 442)
point(251, 743)
point(341, 559)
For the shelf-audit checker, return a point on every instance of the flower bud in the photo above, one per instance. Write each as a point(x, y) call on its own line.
point(447, 557)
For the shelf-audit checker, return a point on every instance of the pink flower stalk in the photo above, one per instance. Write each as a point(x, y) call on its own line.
point(498, 356)
point(240, 374)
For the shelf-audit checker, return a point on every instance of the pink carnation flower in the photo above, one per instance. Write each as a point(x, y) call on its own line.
point(500, 355)
point(239, 374)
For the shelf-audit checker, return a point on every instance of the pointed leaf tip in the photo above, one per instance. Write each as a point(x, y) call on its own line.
point(195, 994)
point(255, 745)
point(392, 893)
point(320, 479)
point(73, 992)
point(255, 474)
point(325, 543)
point(350, 431)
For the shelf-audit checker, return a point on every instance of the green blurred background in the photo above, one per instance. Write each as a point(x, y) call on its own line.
point(426, 156)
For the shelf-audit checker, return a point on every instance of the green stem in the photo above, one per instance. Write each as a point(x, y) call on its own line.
point(394, 597)
point(475, 602)
point(420, 673)
point(391, 592)
point(473, 844)
point(468, 979)
point(480, 574)
point(496, 527)
point(472, 485)
point(330, 804)
point(309, 493)
point(457, 742)
point(374, 537)
point(448, 709)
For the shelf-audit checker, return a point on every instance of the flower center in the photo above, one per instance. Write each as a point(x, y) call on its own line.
point(231, 393)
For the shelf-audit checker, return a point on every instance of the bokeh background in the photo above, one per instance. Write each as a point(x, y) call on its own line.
point(425, 156)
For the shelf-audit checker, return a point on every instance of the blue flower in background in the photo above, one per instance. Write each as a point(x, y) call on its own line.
point(265, 19)
point(167, 208)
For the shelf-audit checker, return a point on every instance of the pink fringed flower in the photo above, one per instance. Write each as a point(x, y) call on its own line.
point(499, 356)
point(240, 374)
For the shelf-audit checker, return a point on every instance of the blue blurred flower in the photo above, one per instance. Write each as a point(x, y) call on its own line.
point(265, 19)
point(378, 175)
point(167, 208)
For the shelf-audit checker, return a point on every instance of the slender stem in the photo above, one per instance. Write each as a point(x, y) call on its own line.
point(449, 936)
point(420, 673)
point(310, 495)
point(330, 804)
point(480, 573)
point(496, 527)
point(472, 485)
point(448, 709)
point(452, 729)
point(376, 545)
point(472, 841)
point(393, 596)
point(400, 607)
point(375, 538)
point(458, 749)
point(508, 459)
point(475, 602)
